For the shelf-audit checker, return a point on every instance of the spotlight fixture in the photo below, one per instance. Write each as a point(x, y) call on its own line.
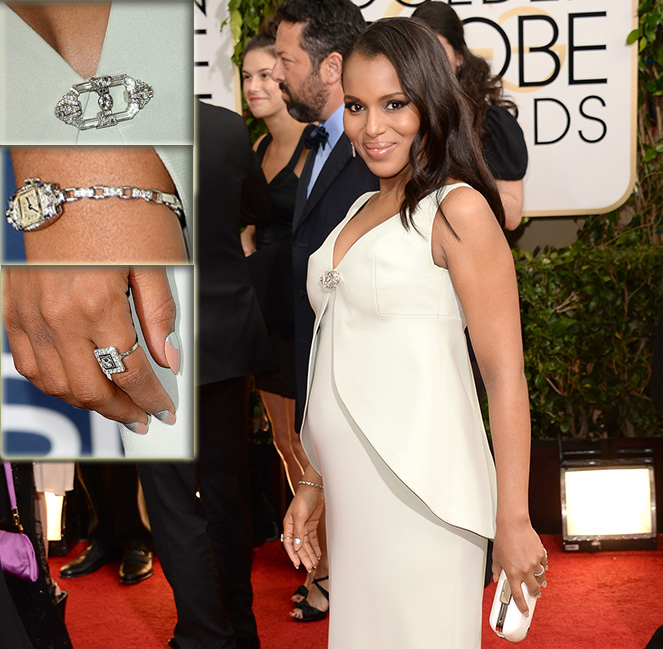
point(608, 503)
point(55, 522)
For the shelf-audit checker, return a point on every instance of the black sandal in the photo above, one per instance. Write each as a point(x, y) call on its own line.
point(301, 592)
point(310, 613)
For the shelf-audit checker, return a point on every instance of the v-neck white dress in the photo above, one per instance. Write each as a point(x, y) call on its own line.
point(393, 426)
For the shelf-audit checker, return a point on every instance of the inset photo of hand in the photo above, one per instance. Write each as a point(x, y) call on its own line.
point(113, 340)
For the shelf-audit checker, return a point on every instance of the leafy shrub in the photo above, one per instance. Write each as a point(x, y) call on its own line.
point(589, 316)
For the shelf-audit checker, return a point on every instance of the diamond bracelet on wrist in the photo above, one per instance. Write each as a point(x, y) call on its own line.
point(38, 204)
point(312, 484)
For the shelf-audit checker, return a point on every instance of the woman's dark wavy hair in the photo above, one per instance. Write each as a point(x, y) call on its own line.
point(474, 73)
point(265, 39)
point(446, 146)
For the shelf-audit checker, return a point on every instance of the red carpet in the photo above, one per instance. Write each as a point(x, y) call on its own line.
point(605, 600)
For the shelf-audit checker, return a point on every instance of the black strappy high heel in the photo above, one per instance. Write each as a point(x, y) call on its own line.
point(301, 592)
point(310, 613)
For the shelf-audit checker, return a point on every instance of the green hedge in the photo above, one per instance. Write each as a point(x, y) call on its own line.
point(589, 317)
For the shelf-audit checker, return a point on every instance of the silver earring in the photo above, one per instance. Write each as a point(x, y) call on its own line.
point(354, 153)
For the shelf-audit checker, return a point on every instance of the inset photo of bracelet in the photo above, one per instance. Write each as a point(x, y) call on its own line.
point(93, 73)
point(88, 205)
point(97, 362)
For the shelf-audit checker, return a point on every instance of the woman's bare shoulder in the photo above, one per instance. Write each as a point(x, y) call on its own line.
point(466, 209)
point(256, 144)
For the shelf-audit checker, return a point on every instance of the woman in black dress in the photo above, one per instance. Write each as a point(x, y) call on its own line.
point(502, 138)
point(31, 613)
point(282, 155)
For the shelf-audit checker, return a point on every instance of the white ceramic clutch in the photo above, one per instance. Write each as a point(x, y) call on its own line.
point(505, 618)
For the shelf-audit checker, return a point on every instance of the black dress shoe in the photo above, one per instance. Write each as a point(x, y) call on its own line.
point(136, 566)
point(61, 601)
point(172, 643)
point(91, 559)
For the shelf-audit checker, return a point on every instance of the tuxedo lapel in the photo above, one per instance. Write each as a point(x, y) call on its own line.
point(302, 184)
point(337, 160)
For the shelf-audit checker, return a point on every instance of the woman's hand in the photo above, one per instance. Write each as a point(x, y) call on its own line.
point(518, 550)
point(248, 238)
point(55, 317)
point(300, 525)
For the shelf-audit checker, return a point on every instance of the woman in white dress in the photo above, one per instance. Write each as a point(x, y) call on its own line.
point(392, 425)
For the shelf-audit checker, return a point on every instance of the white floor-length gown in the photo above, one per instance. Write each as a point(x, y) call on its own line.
point(406, 538)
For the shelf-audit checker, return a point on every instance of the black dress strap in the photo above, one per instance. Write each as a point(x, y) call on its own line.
point(298, 149)
point(262, 146)
point(294, 159)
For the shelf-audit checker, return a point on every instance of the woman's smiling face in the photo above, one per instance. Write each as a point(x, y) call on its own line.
point(261, 91)
point(379, 118)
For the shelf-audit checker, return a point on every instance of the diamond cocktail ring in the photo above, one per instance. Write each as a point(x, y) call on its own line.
point(110, 360)
point(70, 110)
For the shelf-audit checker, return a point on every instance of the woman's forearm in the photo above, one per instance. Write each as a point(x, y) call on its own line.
point(510, 433)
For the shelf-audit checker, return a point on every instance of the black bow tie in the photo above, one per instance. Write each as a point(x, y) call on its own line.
point(316, 136)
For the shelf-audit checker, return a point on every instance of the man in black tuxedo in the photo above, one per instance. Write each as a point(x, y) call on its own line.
point(205, 546)
point(116, 530)
point(311, 39)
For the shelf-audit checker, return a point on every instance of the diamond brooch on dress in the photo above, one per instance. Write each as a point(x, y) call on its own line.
point(330, 279)
point(137, 94)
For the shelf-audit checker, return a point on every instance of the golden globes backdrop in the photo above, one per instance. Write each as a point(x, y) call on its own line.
point(565, 64)
point(214, 79)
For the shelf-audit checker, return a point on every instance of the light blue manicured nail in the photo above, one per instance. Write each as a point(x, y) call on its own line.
point(137, 427)
point(166, 417)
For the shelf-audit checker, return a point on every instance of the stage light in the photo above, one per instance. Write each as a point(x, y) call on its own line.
point(608, 504)
point(54, 506)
